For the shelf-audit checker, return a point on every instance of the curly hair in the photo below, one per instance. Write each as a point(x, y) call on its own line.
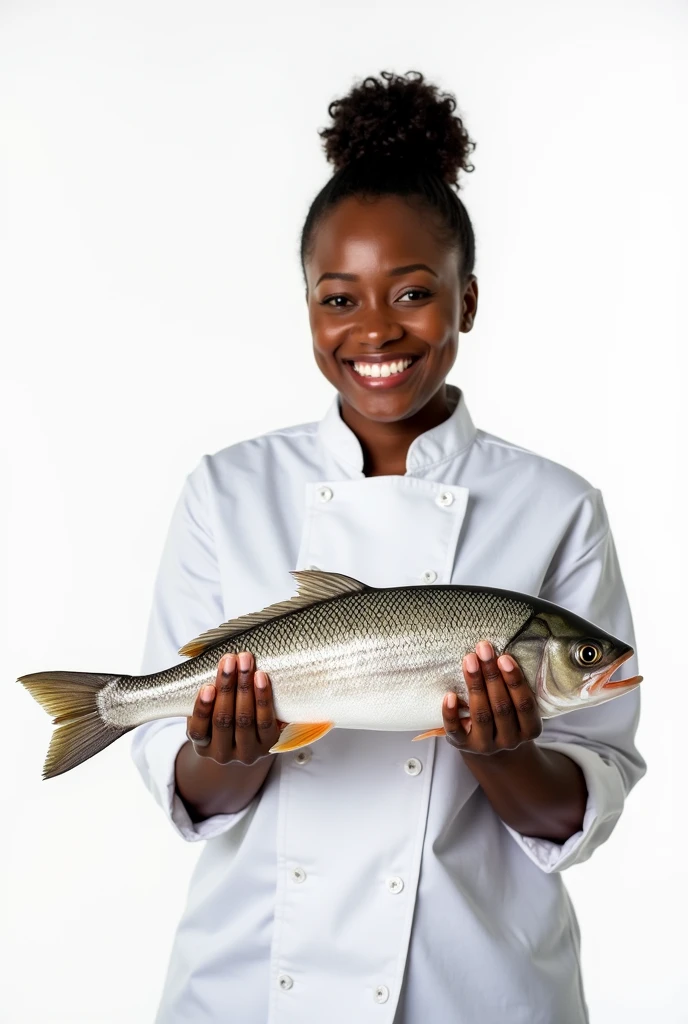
point(399, 139)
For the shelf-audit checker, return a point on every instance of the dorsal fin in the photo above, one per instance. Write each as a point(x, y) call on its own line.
point(314, 586)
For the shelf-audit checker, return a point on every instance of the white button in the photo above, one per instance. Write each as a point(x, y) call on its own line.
point(429, 576)
point(445, 498)
point(381, 994)
point(413, 766)
point(395, 884)
point(284, 981)
point(299, 875)
point(325, 493)
point(303, 756)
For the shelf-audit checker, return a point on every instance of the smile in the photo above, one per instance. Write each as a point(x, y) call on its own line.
point(390, 373)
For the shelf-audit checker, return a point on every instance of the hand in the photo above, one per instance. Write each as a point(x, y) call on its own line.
point(504, 712)
point(225, 729)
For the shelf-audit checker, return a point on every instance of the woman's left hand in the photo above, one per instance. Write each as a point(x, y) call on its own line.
point(504, 712)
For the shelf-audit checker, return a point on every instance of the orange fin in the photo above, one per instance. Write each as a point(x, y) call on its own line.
point(430, 732)
point(300, 734)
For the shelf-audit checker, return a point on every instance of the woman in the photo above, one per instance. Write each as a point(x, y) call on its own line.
point(366, 878)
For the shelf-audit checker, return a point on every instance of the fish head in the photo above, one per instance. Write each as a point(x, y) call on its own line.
point(569, 663)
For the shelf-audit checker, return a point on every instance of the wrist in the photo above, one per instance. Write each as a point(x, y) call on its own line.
point(526, 754)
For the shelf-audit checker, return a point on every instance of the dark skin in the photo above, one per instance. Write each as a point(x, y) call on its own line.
point(537, 792)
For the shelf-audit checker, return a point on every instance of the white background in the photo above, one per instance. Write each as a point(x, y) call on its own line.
point(157, 161)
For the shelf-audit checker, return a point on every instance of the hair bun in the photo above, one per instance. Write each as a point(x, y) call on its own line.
point(406, 120)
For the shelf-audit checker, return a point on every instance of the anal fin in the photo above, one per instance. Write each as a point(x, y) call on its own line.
point(300, 734)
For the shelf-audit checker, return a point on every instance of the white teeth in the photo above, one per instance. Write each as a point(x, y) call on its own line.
point(382, 369)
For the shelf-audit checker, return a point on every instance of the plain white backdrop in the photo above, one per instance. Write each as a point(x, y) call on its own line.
point(157, 161)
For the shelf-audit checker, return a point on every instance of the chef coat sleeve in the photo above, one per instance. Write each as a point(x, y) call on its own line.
point(187, 601)
point(584, 576)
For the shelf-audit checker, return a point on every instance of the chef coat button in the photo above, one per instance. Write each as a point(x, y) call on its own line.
point(303, 756)
point(445, 498)
point(413, 766)
point(381, 994)
point(395, 884)
point(299, 875)
point(325, 493)
point(284, 981)
point(429, 576)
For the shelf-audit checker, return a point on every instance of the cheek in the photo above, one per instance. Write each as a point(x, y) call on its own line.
point(437, 324)
point(327, 333)
point(327, 365)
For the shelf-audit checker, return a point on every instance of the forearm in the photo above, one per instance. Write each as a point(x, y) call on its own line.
point(207, 787)
point(540, 793)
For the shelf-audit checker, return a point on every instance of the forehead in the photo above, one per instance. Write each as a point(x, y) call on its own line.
point(376, 230)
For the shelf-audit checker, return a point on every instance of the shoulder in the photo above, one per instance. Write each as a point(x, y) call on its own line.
point(533, 468)
point(275, 450)
point(539, 488)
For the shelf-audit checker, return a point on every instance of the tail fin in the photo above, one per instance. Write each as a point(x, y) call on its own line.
point(73, 698)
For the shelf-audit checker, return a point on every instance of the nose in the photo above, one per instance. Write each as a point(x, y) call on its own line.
point(376, 327)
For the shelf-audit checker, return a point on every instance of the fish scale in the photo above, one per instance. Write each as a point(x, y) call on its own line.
point(383, 656)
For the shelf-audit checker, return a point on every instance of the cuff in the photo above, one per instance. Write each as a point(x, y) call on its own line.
point(155, 755)
point(606, 797)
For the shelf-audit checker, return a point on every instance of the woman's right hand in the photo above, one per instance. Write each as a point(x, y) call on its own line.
point(235, 719)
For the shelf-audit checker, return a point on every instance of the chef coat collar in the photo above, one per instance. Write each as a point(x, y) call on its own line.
point(442, 442)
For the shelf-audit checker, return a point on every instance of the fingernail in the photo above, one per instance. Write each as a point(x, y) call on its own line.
point(230, 664)
point(244, 660)
point(451, 701)
point(207, 692)
point(260, 680)
point(472, 664)
point(506, 663)
point(484, 650)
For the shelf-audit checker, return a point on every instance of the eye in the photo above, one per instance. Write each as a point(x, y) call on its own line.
point(423, 293)
point(587, 653)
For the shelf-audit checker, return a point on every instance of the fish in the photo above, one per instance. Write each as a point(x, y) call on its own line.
point(343, 654)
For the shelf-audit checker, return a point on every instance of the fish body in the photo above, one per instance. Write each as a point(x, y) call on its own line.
point(341, 654)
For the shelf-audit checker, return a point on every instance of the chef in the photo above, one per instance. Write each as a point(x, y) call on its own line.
point(369, 878)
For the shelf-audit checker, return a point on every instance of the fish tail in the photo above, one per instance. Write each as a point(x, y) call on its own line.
point(73, 698)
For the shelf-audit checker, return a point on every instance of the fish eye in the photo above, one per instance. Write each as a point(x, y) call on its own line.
point(587, 653)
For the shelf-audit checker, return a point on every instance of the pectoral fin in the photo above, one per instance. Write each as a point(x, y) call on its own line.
point(430, 732)
point(300, 734)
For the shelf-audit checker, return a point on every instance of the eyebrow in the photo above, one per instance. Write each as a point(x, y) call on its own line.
point(339, 275)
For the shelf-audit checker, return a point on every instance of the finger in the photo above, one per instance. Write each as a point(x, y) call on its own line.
point(503, 711)
point(266, 722)
point(198, 723)
point(245, 710)
point(455, 727)
point(223, 712)
point(523, 698)
point(482, 731)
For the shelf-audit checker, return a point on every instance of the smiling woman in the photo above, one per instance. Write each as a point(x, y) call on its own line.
point(392, 231)
point(369, 869)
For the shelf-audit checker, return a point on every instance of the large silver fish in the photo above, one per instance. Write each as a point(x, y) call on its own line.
point(341, 654)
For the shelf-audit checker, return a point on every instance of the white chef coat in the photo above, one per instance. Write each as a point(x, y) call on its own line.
point(370, 880)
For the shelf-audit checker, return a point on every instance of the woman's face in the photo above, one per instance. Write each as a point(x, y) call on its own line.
point(363, 308)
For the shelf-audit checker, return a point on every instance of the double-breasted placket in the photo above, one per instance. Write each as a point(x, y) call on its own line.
point(370, 879)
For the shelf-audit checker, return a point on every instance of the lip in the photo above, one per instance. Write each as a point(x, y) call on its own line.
point(375, 383)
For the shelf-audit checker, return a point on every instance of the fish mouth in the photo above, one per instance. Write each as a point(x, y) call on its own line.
point(599, 683)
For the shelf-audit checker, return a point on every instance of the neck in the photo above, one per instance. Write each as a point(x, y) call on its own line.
point(385, 445)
